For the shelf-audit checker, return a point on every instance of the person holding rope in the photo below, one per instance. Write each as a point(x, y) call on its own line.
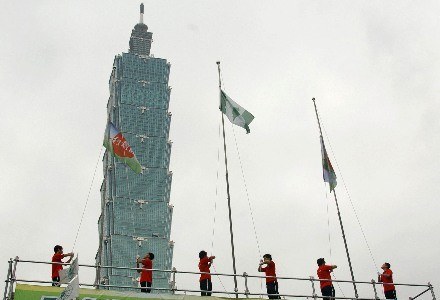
point(205, 279)
point(271, 279)
point(387, 277)
point(56, 263)
point(146, 279)
point(327, 289)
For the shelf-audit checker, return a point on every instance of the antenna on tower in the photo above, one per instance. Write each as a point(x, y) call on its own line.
point(141, 18)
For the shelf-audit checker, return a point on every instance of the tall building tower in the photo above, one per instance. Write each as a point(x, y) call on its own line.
point(135, 210)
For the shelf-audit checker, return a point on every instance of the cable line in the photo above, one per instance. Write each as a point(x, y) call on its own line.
point(329, 240)
point(216, 189)
point(215, 204)
point(87, 199)
point(226, 292)
point(133, 204)
point(247, 193)
point(249, 202)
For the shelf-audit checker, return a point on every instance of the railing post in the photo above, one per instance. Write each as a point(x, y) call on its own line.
point(97, 276)
point(8, 278)
point(173, 282)
point(246, 291)
point(312, 280)
point(11, 287)
point(374, 288)
point(432, 290)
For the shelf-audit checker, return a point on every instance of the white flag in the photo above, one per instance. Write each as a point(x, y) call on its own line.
point(71, 292)
point(66, 275)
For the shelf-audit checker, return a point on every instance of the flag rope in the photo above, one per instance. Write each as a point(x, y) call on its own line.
point(216, 189)
point(350, 200)
point(215, 203)
point(249, 202)
point(133, 203)
point(329, 240)
point(87, 199)
point(247, 193)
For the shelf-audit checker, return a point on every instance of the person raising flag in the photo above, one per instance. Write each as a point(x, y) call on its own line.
point(205, 279)
point(146, 279)
point(387, 278)
point(56, 263)
point(271, 276)
point(327, 289)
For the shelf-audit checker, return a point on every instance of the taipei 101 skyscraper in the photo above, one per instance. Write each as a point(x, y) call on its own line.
point(136, 212)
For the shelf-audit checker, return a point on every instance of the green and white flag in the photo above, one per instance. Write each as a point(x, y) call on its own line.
point(235, 113)
point(71, 292)
point(66, 275)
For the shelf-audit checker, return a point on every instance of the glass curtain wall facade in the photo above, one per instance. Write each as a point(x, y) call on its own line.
point(136, 213)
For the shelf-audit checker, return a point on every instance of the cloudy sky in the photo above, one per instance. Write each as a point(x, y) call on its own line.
point(373, 67)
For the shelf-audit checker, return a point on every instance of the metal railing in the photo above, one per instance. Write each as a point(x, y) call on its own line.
point(11, 280)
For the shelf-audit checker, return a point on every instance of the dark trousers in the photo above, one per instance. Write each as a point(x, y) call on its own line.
point(56, 281)
point(390, 294)
point(328, 292)
point(147, 285)
point(272, 290)
point(206, 285)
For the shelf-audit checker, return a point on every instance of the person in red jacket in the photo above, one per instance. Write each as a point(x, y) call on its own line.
point(146, 279)
point(387, 277)
point(271, 279)
point(327, 289)
point(56, 266)
point(205, 279)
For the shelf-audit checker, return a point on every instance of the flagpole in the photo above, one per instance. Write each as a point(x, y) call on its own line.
point(339, 213)
point(105, 214)
point(227, 189)
point(103, 208)
point(103, 211)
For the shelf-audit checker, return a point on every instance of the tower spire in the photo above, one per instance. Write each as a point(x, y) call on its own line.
point(141, 39)
point(141, 17)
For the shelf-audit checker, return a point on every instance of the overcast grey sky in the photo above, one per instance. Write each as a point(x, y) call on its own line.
point(373, 67)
